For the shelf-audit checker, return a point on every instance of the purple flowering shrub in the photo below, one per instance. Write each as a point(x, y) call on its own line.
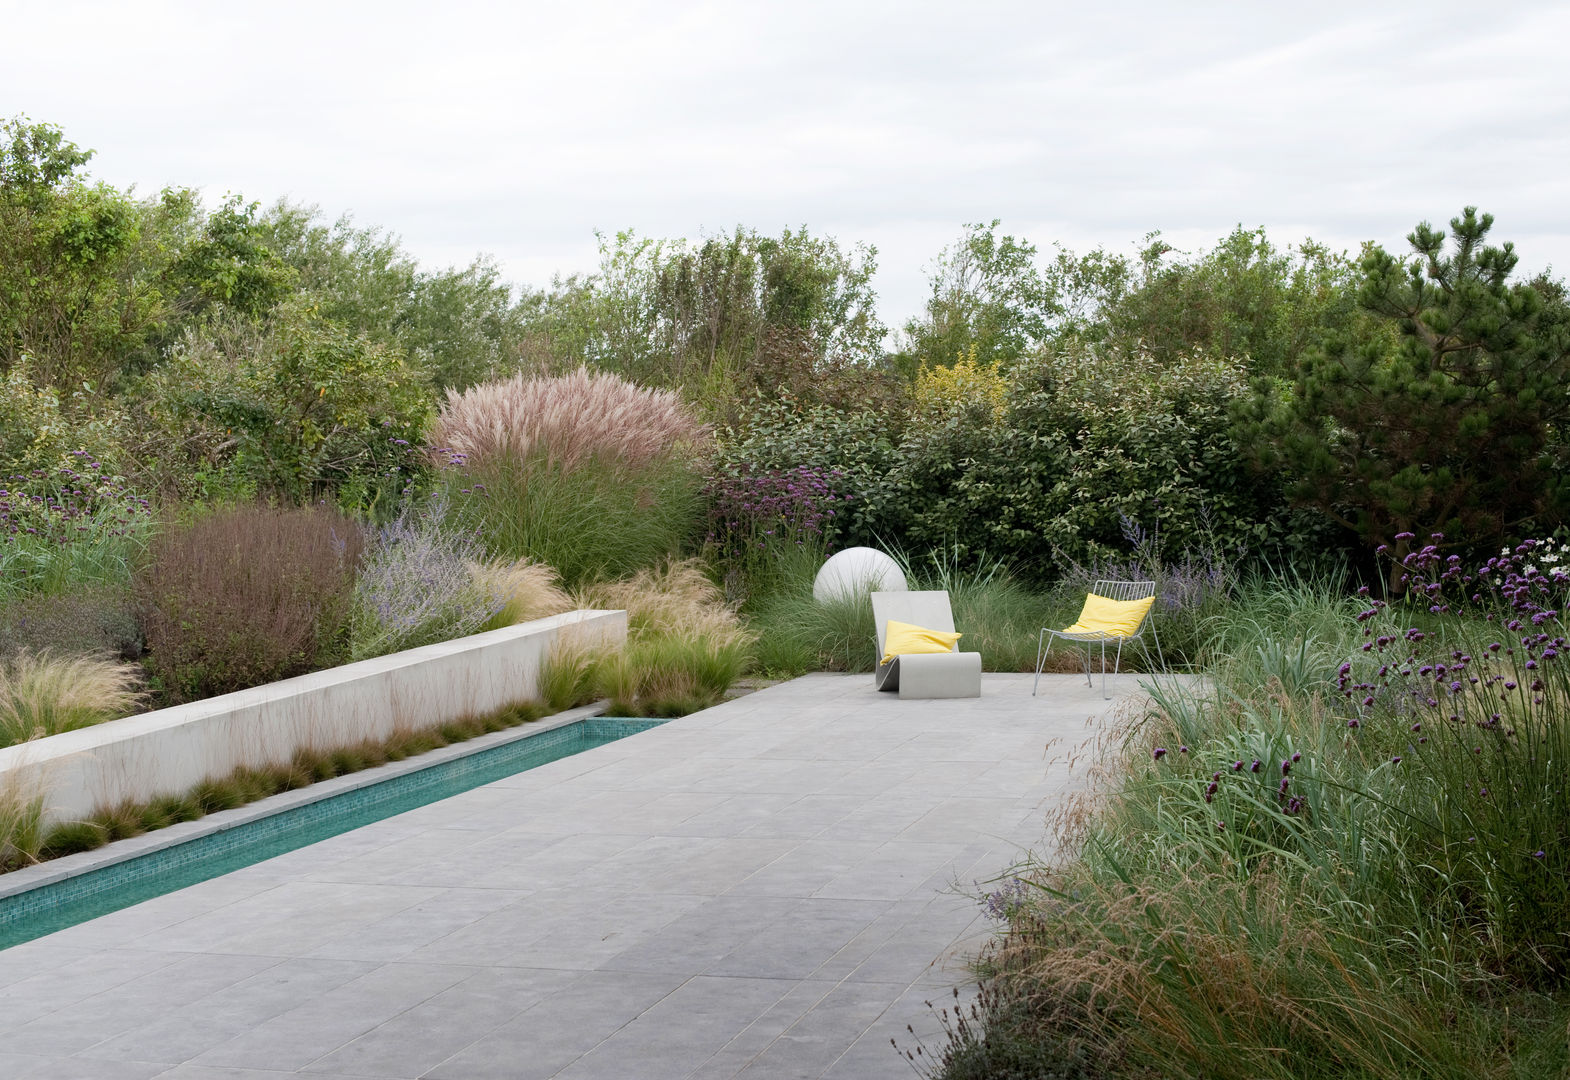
point(77, 524)
point(420, 583)
point(756, 516)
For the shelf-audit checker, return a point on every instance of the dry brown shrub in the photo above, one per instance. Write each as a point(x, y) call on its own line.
point(247, 596)
point(566, 420)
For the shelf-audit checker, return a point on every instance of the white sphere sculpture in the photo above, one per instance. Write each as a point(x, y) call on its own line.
point(857, 570)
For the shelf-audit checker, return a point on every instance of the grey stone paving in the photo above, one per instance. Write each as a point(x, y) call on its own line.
point(764, 890)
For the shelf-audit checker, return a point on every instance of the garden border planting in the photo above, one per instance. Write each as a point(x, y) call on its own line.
point(41, 899)
point(171, 750)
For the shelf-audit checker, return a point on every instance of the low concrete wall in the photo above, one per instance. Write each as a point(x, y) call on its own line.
point(171, 750)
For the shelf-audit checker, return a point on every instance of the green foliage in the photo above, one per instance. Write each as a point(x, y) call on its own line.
point(717, 317)
point(230, 263)
point(1440, 416)
point(458, 325)
point(73, 294)
point(1089, 439)
point(989, 301)
point(1244, 299)
point(293, 407)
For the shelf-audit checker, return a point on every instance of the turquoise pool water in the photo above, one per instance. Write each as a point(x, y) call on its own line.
point(60, 904)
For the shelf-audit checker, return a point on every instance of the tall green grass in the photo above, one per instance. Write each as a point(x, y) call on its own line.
point(684, 647)
point(100, 547)
point(1304, 869)
point(597, 521)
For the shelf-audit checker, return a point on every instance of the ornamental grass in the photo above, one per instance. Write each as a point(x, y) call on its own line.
point(1346, 853)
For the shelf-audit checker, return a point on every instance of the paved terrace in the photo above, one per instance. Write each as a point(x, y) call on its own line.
point(764, 889)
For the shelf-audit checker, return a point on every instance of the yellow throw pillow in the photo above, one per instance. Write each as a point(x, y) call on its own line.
point(1114, 618)
point(902, 639)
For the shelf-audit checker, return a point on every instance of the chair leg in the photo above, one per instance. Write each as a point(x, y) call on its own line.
point(1157, 637)
point(1087, 665)
point(1041, 660)
point(1116, 663)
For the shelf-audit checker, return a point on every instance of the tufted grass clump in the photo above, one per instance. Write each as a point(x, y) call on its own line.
point(684, 649)
point(42, 694)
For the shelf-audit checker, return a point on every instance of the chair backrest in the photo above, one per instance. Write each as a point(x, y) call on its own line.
point(1124, 590)
point(929, 610)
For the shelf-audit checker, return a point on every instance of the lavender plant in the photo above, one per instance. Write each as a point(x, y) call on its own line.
point(417, 584)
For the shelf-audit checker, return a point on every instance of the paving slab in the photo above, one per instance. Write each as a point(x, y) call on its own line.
point(771, 888)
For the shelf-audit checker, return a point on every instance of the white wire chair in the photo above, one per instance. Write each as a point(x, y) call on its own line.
point(1112, 590)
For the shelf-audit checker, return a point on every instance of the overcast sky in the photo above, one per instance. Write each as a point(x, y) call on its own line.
point(519, 128)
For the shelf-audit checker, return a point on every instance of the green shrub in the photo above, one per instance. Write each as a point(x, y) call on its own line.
point(293, 407)
point(247, 596)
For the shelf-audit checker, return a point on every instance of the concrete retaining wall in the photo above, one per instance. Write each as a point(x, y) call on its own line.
point(171, 750)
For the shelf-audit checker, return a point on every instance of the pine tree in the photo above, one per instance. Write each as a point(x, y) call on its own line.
point(1438, 412)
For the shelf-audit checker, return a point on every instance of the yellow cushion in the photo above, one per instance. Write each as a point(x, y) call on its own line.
point(902, 639)
point(1113, 618)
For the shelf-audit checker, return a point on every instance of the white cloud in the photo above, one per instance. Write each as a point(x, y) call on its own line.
point(519, 128)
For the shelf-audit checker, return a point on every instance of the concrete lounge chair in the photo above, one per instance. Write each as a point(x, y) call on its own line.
point(924, 675)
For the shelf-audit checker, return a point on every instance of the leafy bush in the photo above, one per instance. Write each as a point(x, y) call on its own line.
point(42, 694)
point(1088, 440)
point(247, 596)
point(418, 584)
point(585, 472)
point(853, 451)
point(294, 406)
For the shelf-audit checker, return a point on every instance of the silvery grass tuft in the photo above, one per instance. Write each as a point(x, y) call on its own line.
point(417, 584)
point(588, 473)
point(684, 647)
point(565, 420)
point(529, 590)
point(42, 694)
